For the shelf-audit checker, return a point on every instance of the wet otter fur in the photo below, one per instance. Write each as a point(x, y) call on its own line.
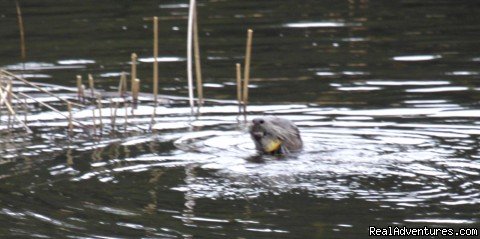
point(273, 135)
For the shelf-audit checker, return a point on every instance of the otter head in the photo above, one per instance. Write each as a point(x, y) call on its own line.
point(275, 135)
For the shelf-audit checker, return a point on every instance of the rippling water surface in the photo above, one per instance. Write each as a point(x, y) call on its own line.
point(385, 94)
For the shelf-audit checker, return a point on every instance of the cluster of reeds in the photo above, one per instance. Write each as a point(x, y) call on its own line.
point(92, 98)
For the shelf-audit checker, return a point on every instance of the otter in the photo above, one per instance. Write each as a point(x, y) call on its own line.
point(273, 135)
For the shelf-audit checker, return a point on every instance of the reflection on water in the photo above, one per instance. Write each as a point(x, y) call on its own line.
point(383, 93)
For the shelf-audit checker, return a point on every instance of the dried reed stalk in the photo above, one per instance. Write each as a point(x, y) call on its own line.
point(4, 95)
point(13, 113)
point(94, 121)
point(9, 102)
point(122, 86)
point(111, 113)
point(239, 86)
point(70, 118)
point(189, 54)
point(9, 91)
point(51, 108)
point(126, 117)
point(3, 99)
point(133, 72)
point(246, 73)
point(155, 60)
point(196, 49)
point(23, 49)
point(155, 70)
point(152, 121)
point(80, 93)
point(25, 110)
point(135, 92)
point(38, 87)
point(1, 85)
point(99, 106)
point(91, 85)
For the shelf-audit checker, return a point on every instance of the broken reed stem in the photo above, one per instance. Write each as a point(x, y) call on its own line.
point(152, 121)
point(135, 92)
point(189, 54)
point(25, 109)
point(91, 85)
point(114, 116)
point(99, 106)
point(13, 113)
point(133, 72)
point(83, 93)
point(38, 87)
point(3, 97)
point(111, 114)
point(8, 103)
point(239, 86)
point(155, 60)
point(122, 86)
point(23, 49)
point(126, 117)
point(3, 100)
point(70, 118)
point(155, 70)
point(125, 83)
point(15, 108)
point(51, 108)
point(196, 49)
point(80, 93)
point(94, 121)
point(9, 91)
point(3, 94)
point(246, 73)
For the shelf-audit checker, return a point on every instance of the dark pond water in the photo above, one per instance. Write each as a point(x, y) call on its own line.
point(385, 94)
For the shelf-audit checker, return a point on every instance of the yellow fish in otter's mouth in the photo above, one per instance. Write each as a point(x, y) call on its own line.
point(272, 146)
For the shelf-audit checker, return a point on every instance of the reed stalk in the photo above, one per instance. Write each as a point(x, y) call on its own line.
point(111, 113)
point(14, 115)
point(4, 94)
point(135, 92)
point(155, 60)
point(246, 73)
point(1, 85)
point(99, 106)
point(38, 87)
point(3, 99)
point(133, 72)
point(25, 109)
point(94, 121)
point(152, 121)
point(239, 86)
point(196, 49)
point(9, 91)
point(23, 49)
point(70, 118)
point(53, 109)
point(126, 117)
point(79, 88)
point(189, 54)
point(122, 86)
point(114, 115)
point(8, 102)
point(91, 84)
point(155, 70)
